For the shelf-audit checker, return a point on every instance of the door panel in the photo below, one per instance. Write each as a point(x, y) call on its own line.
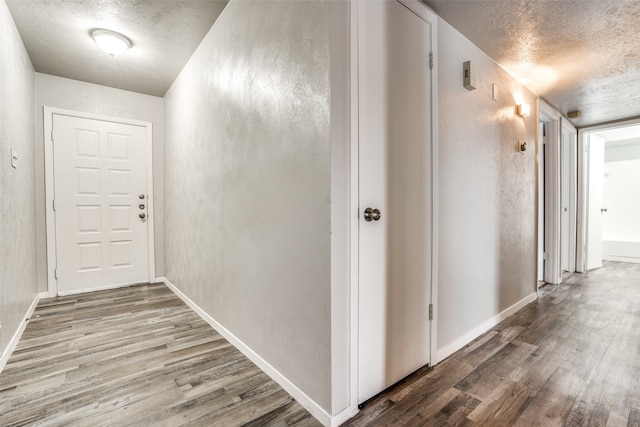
point(565, 194)
point(395, 177)
point(596, 189)
point(541, 200)
point(99, 175)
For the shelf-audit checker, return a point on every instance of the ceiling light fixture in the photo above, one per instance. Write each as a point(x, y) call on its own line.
point(111, 42)
point(524, 110)
point(574, 114)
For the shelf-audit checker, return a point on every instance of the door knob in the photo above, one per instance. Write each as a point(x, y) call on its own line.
point(142, 215)
point(372, 214)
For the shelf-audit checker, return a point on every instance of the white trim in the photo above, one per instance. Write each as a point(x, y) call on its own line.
point(21, 327)
point(48, 112)
point(354, 326)
point(552, 266)
point(581, 214)
point(342, 416)
point(465, 339)
point(583, 183)
point(567, 127)
point(308, 403)
point(100, 288)
point(621, 259)
point(614, 125)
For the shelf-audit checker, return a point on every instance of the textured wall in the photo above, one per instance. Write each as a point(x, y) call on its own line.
point(58, 92)
point(487, 253)
point(247, 184)
point(17, 188)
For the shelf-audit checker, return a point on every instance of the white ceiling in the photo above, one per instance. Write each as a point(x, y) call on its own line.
point(575, 54)
point(164, 33)
point(627, 135)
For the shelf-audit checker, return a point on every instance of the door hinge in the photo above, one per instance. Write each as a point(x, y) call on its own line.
point(52, 135)
point(54, 204)
point(545, 256)
point(430, 311)
point(431, 60)
point(55, 273)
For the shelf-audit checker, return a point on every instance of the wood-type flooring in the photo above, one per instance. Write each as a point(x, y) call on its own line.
point(571, 358)
point(140, 357)
point(135, 356)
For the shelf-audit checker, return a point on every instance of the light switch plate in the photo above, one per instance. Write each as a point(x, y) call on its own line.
point(14, 159)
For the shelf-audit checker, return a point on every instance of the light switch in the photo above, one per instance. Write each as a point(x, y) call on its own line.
point(14, 159)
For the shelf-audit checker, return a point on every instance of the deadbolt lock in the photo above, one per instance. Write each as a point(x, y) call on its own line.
point(371, 214)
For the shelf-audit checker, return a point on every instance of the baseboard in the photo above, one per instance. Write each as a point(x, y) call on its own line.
point(304, 400)
point(616, 258)
point(99, 288)
point(18, 334)
point(465, 339)
point(342, 416)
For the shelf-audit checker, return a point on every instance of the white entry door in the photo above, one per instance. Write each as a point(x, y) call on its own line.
point(596, 196)
point(395, 188)
point(101, 203)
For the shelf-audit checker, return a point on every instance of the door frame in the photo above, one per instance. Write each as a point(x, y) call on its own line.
point(430, 17)
point(551, 118)
point(52, 284)
point(583, 187)
point(568, 128)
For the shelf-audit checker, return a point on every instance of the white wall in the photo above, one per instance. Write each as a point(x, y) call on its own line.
point(247, 184)
point(630, 150)
point(487, 254)
point(17, 186)
point(621, 222)
point(58, 92)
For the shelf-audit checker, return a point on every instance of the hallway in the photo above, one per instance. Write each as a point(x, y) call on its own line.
point(570, 358)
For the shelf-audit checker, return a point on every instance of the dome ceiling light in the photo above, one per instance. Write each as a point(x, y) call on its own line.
point(111, 42)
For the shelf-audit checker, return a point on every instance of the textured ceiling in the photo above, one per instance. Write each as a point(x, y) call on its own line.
point(575, 54)
point(164, 34)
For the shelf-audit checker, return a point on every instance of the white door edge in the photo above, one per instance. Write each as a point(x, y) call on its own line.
point(52, 286)
point(354, 221)
point(430, 17)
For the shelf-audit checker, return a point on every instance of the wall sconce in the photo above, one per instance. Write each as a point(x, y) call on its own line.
point(111, 42)
point(524, 110)
point(522, 146)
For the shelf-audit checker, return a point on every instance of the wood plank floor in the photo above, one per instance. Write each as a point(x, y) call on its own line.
point(572, 358)
point(135, 356)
